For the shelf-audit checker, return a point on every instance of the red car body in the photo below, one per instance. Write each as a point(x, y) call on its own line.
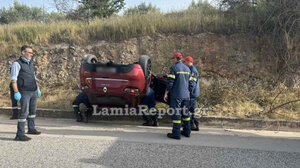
point(117, 86)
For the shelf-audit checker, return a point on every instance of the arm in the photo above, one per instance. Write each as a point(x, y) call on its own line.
point(15, 86)
point(170, 82)
point(15, 69)
point(193, 80)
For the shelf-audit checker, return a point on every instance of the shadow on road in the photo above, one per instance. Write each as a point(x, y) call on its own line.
point(6, 139)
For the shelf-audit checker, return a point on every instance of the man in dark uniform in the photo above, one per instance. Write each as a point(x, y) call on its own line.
point(26, 91)
point(14, 102)
point(149, 101)
point(81, 98)
point(178, 86)
point(194, 92)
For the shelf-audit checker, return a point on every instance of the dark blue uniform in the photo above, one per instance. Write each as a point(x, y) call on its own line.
point(81, 98)
point(178, 86)
point(194, 93)
point(149, 101)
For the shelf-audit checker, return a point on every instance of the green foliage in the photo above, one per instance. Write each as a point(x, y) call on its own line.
point(79, 14)
point(20, 12)
point(141, 9)
point(54, 17)
point(203, 6)
point(102, 8)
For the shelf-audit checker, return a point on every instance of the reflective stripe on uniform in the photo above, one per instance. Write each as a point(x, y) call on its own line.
point(21, 120)
point(193, 78)
point(31, 116)
point(186, 119)
point(75, 106)
point(153, 110)
point(14, 108)
point(177, 121)
point(185, 73)
point(171, 76)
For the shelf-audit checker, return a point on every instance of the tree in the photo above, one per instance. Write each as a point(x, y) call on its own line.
point(102, 8)
point(65, 6)
point(141, 9)
point(202, 6)
point(20, 12)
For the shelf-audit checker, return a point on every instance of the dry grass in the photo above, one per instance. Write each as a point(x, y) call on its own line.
point(236, 100)
point(57, 98)
point(12, 36)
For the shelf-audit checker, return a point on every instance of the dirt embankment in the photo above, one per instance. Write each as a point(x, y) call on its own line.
point(235, 57)
point(234, 71)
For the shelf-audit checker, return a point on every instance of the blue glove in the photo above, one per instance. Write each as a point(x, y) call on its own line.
point(39, 93)
point(17, 96)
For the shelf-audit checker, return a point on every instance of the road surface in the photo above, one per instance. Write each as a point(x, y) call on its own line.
point(66, 143)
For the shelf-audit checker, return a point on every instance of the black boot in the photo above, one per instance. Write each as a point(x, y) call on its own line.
point(79, 117)
point(22, 138)
point(155, 121)
point(185, 134)
point(34, 132)
point(170, 135)
point(87, 114)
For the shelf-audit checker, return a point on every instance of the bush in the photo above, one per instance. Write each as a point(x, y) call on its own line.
point(19, 13)
point(141, 9)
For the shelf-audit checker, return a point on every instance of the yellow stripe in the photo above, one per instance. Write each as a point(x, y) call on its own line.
point(193, 78)
point(75, 106)
point(171, 76)
point(152, 110)
point(177, 121)
point(185, 73)
point(186, 119)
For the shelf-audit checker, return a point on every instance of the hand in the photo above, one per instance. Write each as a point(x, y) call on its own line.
point(166, 97)
point(17, 96)
point(39, 93)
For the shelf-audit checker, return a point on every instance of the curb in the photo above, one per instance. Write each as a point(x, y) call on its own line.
point(211, 121)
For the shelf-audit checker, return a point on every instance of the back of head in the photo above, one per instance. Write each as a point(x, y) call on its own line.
point(25, 47)
point(12, 57)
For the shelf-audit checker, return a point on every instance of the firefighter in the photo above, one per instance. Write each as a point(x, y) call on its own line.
point(14, 102)
point(26, 91)
point(81, 98)
point(194, 92)
point(178, 86)
point(149, 101)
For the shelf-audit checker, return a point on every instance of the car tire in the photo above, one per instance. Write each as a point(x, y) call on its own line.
point(145, 63)
point(89, 58)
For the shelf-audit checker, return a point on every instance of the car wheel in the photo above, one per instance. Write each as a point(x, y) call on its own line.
point(89, 58)
point(145, 63)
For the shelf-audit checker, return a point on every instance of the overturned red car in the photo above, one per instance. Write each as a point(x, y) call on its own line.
point(119, 85)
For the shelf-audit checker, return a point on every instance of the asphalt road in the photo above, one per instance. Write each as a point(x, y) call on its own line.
point(65, 143)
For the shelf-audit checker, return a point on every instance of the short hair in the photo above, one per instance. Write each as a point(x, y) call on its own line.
point(13, 57)
point(24, 47)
